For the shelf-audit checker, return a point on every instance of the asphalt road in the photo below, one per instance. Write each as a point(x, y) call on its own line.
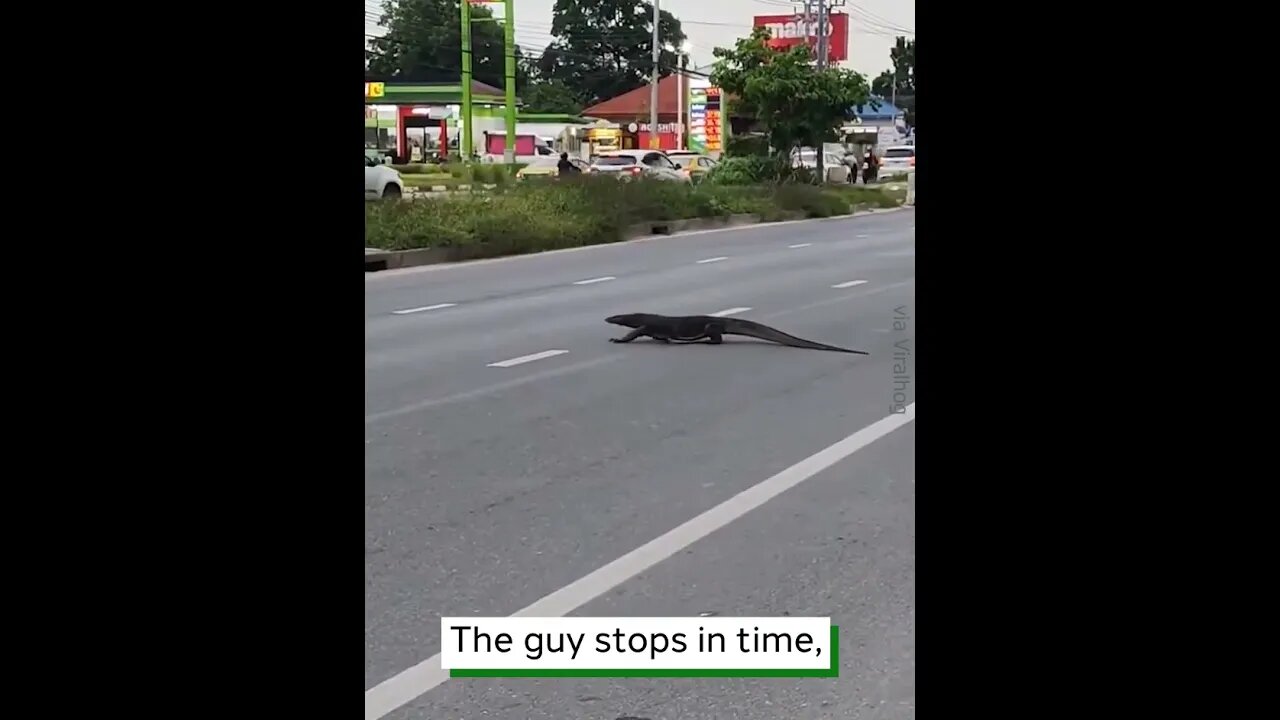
point(491, 484)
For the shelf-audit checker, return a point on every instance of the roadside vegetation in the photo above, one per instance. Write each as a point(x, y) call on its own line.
point(577, 211)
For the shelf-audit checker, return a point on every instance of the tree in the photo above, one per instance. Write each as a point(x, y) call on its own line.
point(550, 96)
point(604, 48)
point(903, 56)
point(423, 43)
point(796, 104)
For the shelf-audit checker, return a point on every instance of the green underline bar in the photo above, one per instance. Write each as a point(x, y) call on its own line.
point(832, 671)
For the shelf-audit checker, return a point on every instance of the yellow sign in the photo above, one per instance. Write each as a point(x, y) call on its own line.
point(375, 89)
point(655, 142)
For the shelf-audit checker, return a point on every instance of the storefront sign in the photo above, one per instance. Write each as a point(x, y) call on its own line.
point(788, 31)
point(375, 89)
point(705, 133)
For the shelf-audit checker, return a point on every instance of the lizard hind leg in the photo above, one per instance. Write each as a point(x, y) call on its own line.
point(714, 336)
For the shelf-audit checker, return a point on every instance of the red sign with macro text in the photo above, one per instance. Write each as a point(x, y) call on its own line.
point(791, 30)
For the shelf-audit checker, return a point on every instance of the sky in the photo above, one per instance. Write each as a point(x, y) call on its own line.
point(712, 23)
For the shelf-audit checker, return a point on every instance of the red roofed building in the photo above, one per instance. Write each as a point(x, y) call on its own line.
point(633, 107)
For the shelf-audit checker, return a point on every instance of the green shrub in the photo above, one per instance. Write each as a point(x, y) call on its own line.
point(861, 196)
point(813, 201)
point(748, 170)
point(407, 225)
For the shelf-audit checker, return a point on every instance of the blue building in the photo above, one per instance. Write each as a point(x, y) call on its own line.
point(882, 113)
point(882, 119)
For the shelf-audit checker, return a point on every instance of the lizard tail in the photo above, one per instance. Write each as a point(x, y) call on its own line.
point(764, 332)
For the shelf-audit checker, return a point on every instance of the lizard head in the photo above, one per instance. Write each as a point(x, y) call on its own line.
point(632, 320)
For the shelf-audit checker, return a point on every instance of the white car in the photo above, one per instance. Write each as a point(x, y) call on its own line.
point(381, 181)
point(630, 164)
point(897, 160)
point(833, 164)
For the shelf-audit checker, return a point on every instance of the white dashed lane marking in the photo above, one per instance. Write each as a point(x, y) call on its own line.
point(593, 281)
point(528, 358)
point(849, 284)
point(714, 259)
point(403, 688)
point(410, 311)
point(799, 245)
point(730, 311)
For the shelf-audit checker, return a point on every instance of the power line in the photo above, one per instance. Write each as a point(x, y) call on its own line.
point(549, 49)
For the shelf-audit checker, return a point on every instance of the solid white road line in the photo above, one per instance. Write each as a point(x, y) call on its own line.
point(402, 689)
point(730, 311)
point(714, 259)
point(849, 284)
point(592, 281)
point(409, 311)
point(799, 245)
point(528, 358)
point(863, 237)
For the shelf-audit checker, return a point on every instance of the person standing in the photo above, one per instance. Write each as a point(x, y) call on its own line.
point(869, 169)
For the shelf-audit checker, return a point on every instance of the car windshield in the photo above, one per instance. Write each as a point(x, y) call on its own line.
point(683, 160)
point(616, 160)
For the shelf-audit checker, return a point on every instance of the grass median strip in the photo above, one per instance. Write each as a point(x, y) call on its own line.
point(534, 217)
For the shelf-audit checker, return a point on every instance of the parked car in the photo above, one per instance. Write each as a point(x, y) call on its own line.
point(631, 164)
point(836, 168)
point(897, 159)
point(694, 165)
point(381, 181)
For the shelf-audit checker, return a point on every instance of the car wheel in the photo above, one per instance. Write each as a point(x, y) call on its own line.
point(391, 192)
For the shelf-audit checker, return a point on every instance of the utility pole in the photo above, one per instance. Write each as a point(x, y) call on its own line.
point(509, 48)
point(681, 79)
point(464, 123)
point(822, 66)
point(653, 84)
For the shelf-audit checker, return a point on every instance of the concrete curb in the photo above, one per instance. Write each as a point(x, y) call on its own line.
point(376, 260)
point(670, 227)
point(424, 189)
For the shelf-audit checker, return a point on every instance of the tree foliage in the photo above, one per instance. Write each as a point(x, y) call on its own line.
point(604, 48)
point(903, 57)
point(423, 43)
point(796, 104)
point(540, 95)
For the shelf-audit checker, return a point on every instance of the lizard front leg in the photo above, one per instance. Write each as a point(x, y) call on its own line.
point(629, 336)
